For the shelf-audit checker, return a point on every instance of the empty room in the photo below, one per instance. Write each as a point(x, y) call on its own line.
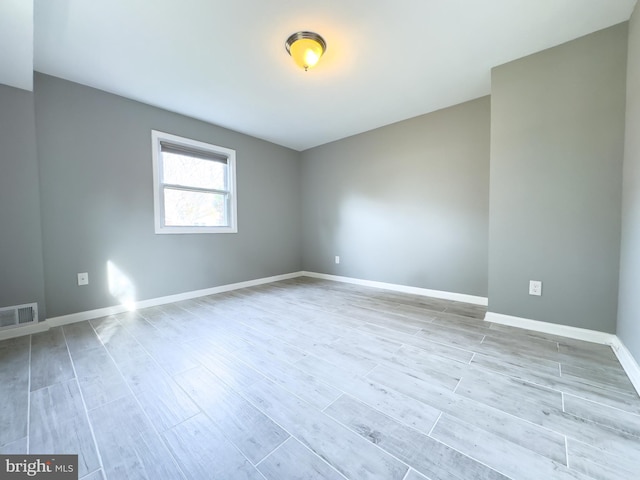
point(282, 240)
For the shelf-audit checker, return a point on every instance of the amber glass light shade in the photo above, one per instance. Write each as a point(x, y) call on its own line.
point(305, 48)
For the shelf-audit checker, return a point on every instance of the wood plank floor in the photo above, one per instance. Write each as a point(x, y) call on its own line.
point(311, 379)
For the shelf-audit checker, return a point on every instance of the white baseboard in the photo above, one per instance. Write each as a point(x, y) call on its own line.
point(152, 302)
point(424, 292)
point(627, 361)
point(24, 330)
point(551, 328)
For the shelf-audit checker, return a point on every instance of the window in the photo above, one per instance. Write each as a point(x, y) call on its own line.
point(194, 186)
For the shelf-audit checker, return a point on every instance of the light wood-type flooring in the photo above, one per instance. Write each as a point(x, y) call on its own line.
point(310, 379)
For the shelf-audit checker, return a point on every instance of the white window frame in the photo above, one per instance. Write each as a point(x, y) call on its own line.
point(158, 185)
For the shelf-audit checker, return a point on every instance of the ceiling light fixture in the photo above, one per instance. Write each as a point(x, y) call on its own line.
point(305, 48)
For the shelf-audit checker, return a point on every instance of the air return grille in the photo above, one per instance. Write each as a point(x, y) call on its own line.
point(18, 315)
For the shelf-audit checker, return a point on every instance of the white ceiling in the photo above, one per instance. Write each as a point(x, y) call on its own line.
point(224, 61)
point(16, 43)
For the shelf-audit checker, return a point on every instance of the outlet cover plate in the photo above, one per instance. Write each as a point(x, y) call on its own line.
point(83, 279)
point(535, 287)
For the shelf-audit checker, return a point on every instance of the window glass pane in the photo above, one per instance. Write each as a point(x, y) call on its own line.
point(183, 208)
point(193, 172)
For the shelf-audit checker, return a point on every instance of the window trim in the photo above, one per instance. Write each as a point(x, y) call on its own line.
point(158, 205)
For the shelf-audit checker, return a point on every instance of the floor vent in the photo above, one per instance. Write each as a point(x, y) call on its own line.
point(18, 315)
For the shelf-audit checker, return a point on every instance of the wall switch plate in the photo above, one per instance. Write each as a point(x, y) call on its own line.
point(83, 278)
point(337, 259)
point(535, 287)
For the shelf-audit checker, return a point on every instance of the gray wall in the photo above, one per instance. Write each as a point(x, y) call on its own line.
point(21, 268)
point(97, 202)
point(405, 204)
point(557, 130)
point(629, 298)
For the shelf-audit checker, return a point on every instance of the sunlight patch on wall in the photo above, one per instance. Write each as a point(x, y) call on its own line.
point(121, 287)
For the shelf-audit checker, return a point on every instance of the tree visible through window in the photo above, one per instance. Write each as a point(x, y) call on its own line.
point(194, 186)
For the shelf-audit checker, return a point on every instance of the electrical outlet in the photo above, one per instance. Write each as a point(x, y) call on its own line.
point(337, 259)
point(83, 279)
point(535, 287)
